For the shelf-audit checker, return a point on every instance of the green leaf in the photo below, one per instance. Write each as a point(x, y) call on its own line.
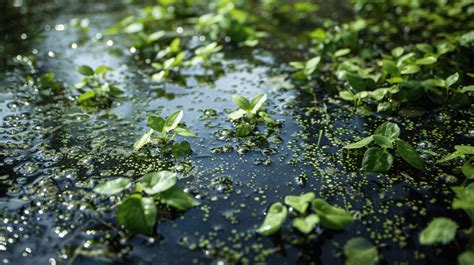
point(156, 182)
point(451, 156)
point(156, 123)
point(397, 52)
point(377, 160)
point(389, 130)
point(173, 120)
point(311, 65)
point(466, 258)
point(342, 52)
point(359, 251)
point(347, 95)
point(305, 224)
point(112, 187)
point(426, 61)
point(242, 103)
point(85, 96)
point(383, 141)
point(184, 132)
point(85, 70)
point(181, 149)
point(439, 231)
point(103, 69)
point(452, 79)
point(465, 199)
point(145, 139)
point(409, 154)
point(137, 214)
point(465, 149)
point(243, 130)
point(299, 203)
point(257, 102)
point(468, 170)
point(276, 216)
point(409, 69)
point(134, 28)
point(361, 143)
point(177, 198)
point(237, 114)
point(332, 217)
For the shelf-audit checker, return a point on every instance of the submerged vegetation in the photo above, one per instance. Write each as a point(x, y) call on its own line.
point(394, 78)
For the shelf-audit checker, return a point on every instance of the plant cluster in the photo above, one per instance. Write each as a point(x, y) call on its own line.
point(250, 114)
point(378, 159)
point(138, 211)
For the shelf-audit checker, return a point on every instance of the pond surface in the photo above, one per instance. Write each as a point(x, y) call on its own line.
point(52, 153)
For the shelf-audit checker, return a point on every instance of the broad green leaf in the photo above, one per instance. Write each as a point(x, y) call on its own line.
point(156, 182)
point(159, 76)
point(347, 95)
point(468, 170)
point(383, 141)
point(299, 203)
point(177, 198)
point(134, 28)
point(173, 120)
point(427, 60)
point(389, 130)
point(311, 65)
point(85, 70)
point(237, 114)
point(276, 216)
point(466, 258)
point(377, 160)
point(155, 36)
point(465, 199)
point(305, 224)
point(156, 123)
point(467, 89)
point(331, 217)
point(112, 187)
point(184, 132)
point(297, 65)
point(181, 149)
point(452, 79)
point(440, 230)
point(409, 154)
point(409, 69)
point(145, 139)
point(465, 149)
point(175, 45)
point(243, 130)
point(85, 96)
point(361, 143)
point(359, 251)
point(103, 69)
point(397, 52)
point(242, 103)
point(342, 52)
point(257, 102)
point(137, 214)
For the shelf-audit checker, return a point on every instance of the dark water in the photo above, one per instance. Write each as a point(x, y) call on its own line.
point(52, 153)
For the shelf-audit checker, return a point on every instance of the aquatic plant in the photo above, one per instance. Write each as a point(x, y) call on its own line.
point(162, 133)
point(137, 212)
point(250, 114)
point(378, 159)
point(95, 89)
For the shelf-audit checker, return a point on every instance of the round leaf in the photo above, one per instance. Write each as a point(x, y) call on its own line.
point(85, 70)
point(156, 182)
point(156, 123)
point(359, 251)
point(389, 130)
point(276, 216)
point(377, 160)
point(137, 214)
point(439, 231)
point(177, 198)
point(112, 187)
point(466, 258)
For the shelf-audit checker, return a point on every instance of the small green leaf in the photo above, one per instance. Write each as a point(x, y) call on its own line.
point(85, 70)
point(465, 149)
point(383, 141)
point(173, 120)
point(237, 114)
point(342, 52)
point(299, 203)
point(145, 139)
point(257, 102)
point(181, 149)
point(359, 144)
point(156, 123)
point(451, 156)
point(311, 65)
point(426, 61)
point(184, 132)
point(465, 199)
point(112, 187)
point(137, 214)
point(276, 216)
point(359, 251)
point(134, 28)
point(468, 170)
point(409, 154)
point(331, 217)
point(305, 224)
point(85, 96)
point(452, 79)
point(347, 95)
point(439, 231)
point(377, 160)
point(397, 52)
point(177, 198)
point(156, 182)
point(242, 103)
point(389, 130)
point(466, 258)
point(243, 130)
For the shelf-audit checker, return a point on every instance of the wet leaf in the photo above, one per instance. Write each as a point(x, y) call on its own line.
point(177, 198)
point(134, 28)
point(466, 258)
point(439, 231)
point(361, 143)
point(359, 251)
point(465, 149)
point(112, 187)
point(409, 154)
point(173, 120)
point(331, 217)
point(156, 182)
point(276, 216)
point(181, 149)
point(299, 203)
point(85, 96)
point(468, 170)
point(257, 102)
point(145, 139)
point(305, 224)
point(243, 130)
point(383, 141)
point(137, 214)
point(184, 132)
point(85, 70)
point(377, 160)
point(242, 102)
point(156, 123)
point(389, 130)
